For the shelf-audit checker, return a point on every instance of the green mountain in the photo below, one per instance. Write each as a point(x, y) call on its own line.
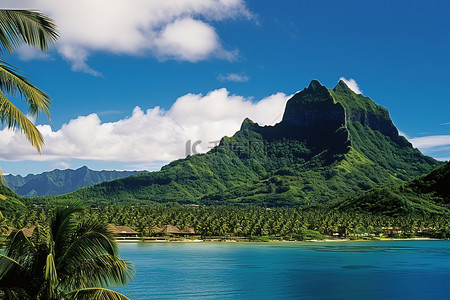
point(59, 182)
point(331, 144)
point(428, 194)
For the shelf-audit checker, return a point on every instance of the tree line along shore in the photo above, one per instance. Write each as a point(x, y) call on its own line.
point(180, 222)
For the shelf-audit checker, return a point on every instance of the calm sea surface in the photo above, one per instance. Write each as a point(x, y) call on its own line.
point(338, 270)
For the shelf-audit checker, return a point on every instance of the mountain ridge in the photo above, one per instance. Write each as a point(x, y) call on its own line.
point(58, 181)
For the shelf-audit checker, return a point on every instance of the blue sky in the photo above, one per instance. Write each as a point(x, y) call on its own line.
point(130, 85)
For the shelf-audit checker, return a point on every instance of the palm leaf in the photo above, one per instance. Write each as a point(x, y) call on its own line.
point(95, 294)
point(15, 118)
point(25, 26)
point(85, 261)
point(63, 225)
point(6, 264)
point(92, 235)
point(13, 277)
point(19, 247)
point(13, 83)
point(104, 270)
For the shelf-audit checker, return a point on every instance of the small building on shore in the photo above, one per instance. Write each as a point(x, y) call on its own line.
point(123, 231)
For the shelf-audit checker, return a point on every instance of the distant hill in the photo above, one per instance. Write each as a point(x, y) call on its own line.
point(428, 194)
point(331, 144)
point(59, 182)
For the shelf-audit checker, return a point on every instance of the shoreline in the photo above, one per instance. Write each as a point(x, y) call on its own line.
point(158, 241)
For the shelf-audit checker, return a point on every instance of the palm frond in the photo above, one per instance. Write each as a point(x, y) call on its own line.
point(19, 247)
point(92, 235)
point(15, 84)
point(13, 276)
point(83, 264)
point(101, 271)
point(96, 293)
point(15, 118)
point(25, 26)
point(6, 264)
point(63, 224)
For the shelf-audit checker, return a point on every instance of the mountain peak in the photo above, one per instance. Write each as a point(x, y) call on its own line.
point(315, 85)
point(247, 124)
point(342, 87)
point(313, 106)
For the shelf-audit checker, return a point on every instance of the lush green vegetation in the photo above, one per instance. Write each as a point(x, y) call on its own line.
point(283, 165)
point(10, 201)
point(429, 194)
point(422, 203)
point(252, 221)
point(65, 258)
point(280, 181)
point(416, 208)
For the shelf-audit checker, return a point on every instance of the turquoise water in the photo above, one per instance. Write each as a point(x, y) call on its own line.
point(338, 270)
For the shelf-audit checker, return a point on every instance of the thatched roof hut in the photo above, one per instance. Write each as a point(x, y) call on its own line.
point(123, 231)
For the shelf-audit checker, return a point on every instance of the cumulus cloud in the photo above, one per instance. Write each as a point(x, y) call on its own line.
point(233, 77)
point(147, 136)
point(351, 83)
point(167, 29)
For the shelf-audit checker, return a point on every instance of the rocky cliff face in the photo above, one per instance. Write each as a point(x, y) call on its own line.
point(363, 110)
point(323, 119)
point(314, 107)
point(317, 108)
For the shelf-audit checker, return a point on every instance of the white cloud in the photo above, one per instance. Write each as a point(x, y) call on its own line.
point(444, 158)
point(351, 83)
point(437, 146)
point(189, 40)
point(27, 53)
point(147, 136)
point(167, 29)
point(62, 165)
point(233, 77)
point(432, 141)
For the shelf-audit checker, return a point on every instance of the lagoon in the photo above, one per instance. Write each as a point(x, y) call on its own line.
point(300, 270)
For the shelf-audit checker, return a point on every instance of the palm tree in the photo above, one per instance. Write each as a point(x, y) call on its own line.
point(65, 259)
point(18, 27)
